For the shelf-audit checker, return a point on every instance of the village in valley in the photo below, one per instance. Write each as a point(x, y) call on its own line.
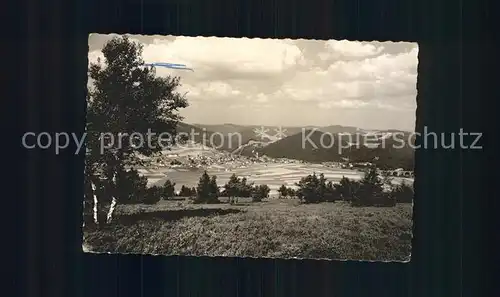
point(197, 157)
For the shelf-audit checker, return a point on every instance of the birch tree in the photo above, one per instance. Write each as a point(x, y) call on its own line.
point(127, 103)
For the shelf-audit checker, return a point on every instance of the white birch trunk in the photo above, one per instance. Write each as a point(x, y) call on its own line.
point(83, 208)
point(109, 217)
point(112, 206)
point(96, 202)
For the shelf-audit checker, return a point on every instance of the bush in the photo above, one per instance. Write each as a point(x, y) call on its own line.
point(131, 188)
point(207, 190)
point(403, 193)
point(175, 162)
point(285, 192)
point(310, 190)
point(193, 192)
point(282, 191)
point(314, 189)
point(245, 188)
point(187, 192)
point(347, 188)
point(237, 187)
point(331, 194)
point(213, 193)
point(231, 188)
point(168, 190)
point(371, 191)
point(260, 192)
point(153, 195)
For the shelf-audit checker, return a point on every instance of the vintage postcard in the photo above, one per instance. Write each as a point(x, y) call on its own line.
point(238, 147)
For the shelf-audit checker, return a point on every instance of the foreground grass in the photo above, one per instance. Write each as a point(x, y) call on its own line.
point(275, 228)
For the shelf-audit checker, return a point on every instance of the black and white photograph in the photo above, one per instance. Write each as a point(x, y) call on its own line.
point(248, 147)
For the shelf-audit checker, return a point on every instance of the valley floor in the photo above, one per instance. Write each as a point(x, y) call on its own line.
point(277, 228)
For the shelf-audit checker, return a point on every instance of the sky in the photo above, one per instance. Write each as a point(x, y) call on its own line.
point(284, 82)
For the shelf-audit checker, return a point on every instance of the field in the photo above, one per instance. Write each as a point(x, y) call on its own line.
point(272, 174)
point(276, 228)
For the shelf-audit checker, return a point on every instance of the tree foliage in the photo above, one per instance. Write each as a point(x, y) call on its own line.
point(283, 191)
point(238, 187)
point(260, 192)
point(347, 188)
point(331, 193)
point(367, 192)
point(231, 188)
point(153, 195)
point(187, 192)
point(371, 191)
point(168, 189)
point(131, 187)
point(214, 191)
point(403, 193)
point(125, 98)
point(207, 190)
point(315, 189)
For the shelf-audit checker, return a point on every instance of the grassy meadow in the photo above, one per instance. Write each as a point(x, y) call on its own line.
point(275, 228)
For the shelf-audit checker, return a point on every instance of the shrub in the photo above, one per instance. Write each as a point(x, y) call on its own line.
point(213, 190)
point(207, 190)
point(291, 192)
point(231, 188)
point(347, 188)
point(245, 188)
point(237, 187)
point(260, 192)
point(331, 194)
point(371, 191)
point(131, 188)
point(153, 195)
point(283, 191)
point(314, 189)
point(175, 162)
point(403, 193)
point(168, 190)
point(309, 189)
point(185, 192)
point(193, 192)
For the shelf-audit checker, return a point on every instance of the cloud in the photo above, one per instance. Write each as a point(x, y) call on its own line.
point(385, 77)
point(207, 55)
point(302, 79)
point(343, 104)
point(96, 56)
point(352, 49)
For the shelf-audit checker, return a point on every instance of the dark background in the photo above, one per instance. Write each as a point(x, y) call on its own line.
point(450, 253)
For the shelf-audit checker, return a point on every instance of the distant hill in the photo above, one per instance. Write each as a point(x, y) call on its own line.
point(293, 147)
point(246, 130)
point(335, 129)
point(389, 156)
point(365, 146)
point(199, 135)
point(218, 139)
point(223, 128)
point(238, 135)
